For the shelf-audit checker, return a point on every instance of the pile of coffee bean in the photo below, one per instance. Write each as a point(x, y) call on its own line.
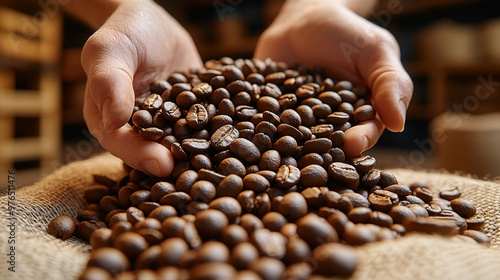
point(261, 188)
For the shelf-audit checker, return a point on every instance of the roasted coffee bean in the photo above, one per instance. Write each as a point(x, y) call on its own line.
point(425, 194)
point(91, 273)
point(232, 166)
point(370, 179)
point(192, 237)
point(172, 250)
point(171, 111)
point(400, 213)
point(230, 186)
point(243, 255)
point(360, 234)
point(134, 215)
point(287, 176)
point(269, 243)
point(62, 227)
point(101, 237)
point(431, 225)
point(161, 189)
point(87, 215)
point(222, 137)
point(475, 222)
point(478, 236)
point(266, 128)
point(227, 205)
point(139, 197)
point(286, 145)
point(401, 190)
point(334, 259)
point(245, 149)
point(262, 204)
point(203, 191)
point(209, 175)
point(315, 230)
point(109, 203)
point(131, 244)
point(343, 172)
point(293, 206)
point(95, 193)
point(313, 176)
point(197, 116)
point(256, 182)
point(219, 121)
point(210, 223)
point(84, 229)
point(364, 113)
point(233, 235)
point(109, 259)
point(450, 193)
point(387, 179)
point(270, 160)
point(337, 155)
point(463, 207)
point(163, 212)
point(179, 200)
point(268, 268)
point(383, 200)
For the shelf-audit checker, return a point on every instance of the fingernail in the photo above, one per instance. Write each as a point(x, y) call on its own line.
point(151, 166)
point(366, 143)
point(402, 112)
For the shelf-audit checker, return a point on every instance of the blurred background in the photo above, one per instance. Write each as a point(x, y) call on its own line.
point(451, 49)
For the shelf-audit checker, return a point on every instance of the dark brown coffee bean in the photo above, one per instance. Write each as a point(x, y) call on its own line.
point(84, 229)
point(196, 206)
point(232, 166)
point(171, 111)
point(142, 119)
point(134, 215)
point(382, 200)
point(147, 259)
point(245, 149)
point(450, 193)
point(268, 243)
point(268, 268)
point(475, 222)
point(212, 251)
point(233, 235)
point(203, 190)
point(315, 230)
point(219, 121)
point(182, 130)
point(262, 141)
point(148, 206)
point(262, 204)
point(179, 200)
point(363, 164)
point(109, 203)
point(230, 186)
point(370, 179)
point(270, 160)
point(152, 102)
point(232, 73)
point(401, 190)
point(287, 101)
point(163, 212)
point(131, 244)
point(62, 227)
point(323, 130)
point(315, 196)
point(337, 155)
point(286, 145)
point(266, 128)
point(109, 259)
point(293, 206)
point(287, 176)
point(306, 115)
point(185, 99)
point(313, 176)
point(243, 255)
point(195, 146)
point(291, 117)
point(255, 182)
point(400, 213)
point(101, 237)
point(343, 172)
point(91, 273)
point(425, 194)
point(463, 207)
point(364, 113)
point(360, 234)
point(192, 237)
point(202, 90)
point(209, 175)
point(227, 205)
point(151, 133)
point(222, 137)
point(87, 215)
point(360, 215)
point(478, 236)
point(245, 112)
point(197, 116)
point(172, 226)
point(139, 197)
point(387, 179)
point(210, 223)
point(431, 225)
point(161, 189)
point(319, 145)
point(337, 138)
point(172, 250)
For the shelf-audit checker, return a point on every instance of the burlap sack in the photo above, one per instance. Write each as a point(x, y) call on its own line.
point(41, 256)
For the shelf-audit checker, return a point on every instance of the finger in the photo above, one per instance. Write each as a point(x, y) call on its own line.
point(391, 86)
point(109, 81)
point(137, 152)
point(362, 137)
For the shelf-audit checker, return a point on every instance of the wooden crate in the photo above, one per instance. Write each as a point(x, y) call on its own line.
point(32, 50)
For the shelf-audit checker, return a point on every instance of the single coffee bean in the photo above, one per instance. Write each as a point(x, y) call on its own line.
point(334, 259)
point(131, 244)
point(387, 179)
point(293, 206)
point(233, 235)
point(230, 186)
point(232, 166)
point(287, 176)
point(85, 229)
point(256, 182)
point(315, 230)
point(209, 175)
point(401, 190)
point(161, 189)
point(172, 250)
point(463, 207)
point(364, 113)
point(62, 227)
point(313, 176)
point(269, 268)
point(163, 212)
point(382, 200)
point(229, 206)
point(203, 190)
point(245, 149)
point(343, 172)
point(109, 259)
point(450, 193)
point(446, 227)
point(210, 223)
point(243, 255)
point(478, 236)
point(222, 137)
point(268, 243)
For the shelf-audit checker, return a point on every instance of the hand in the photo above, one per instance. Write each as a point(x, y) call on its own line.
point(324, 33)
point(139, 43)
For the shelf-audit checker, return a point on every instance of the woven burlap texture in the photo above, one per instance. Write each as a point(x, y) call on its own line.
point(41, 256)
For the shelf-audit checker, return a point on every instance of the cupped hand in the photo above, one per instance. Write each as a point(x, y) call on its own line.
point(139, 43)
point(347, 46)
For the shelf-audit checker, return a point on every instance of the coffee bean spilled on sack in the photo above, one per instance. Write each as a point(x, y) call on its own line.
point(261, 188)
